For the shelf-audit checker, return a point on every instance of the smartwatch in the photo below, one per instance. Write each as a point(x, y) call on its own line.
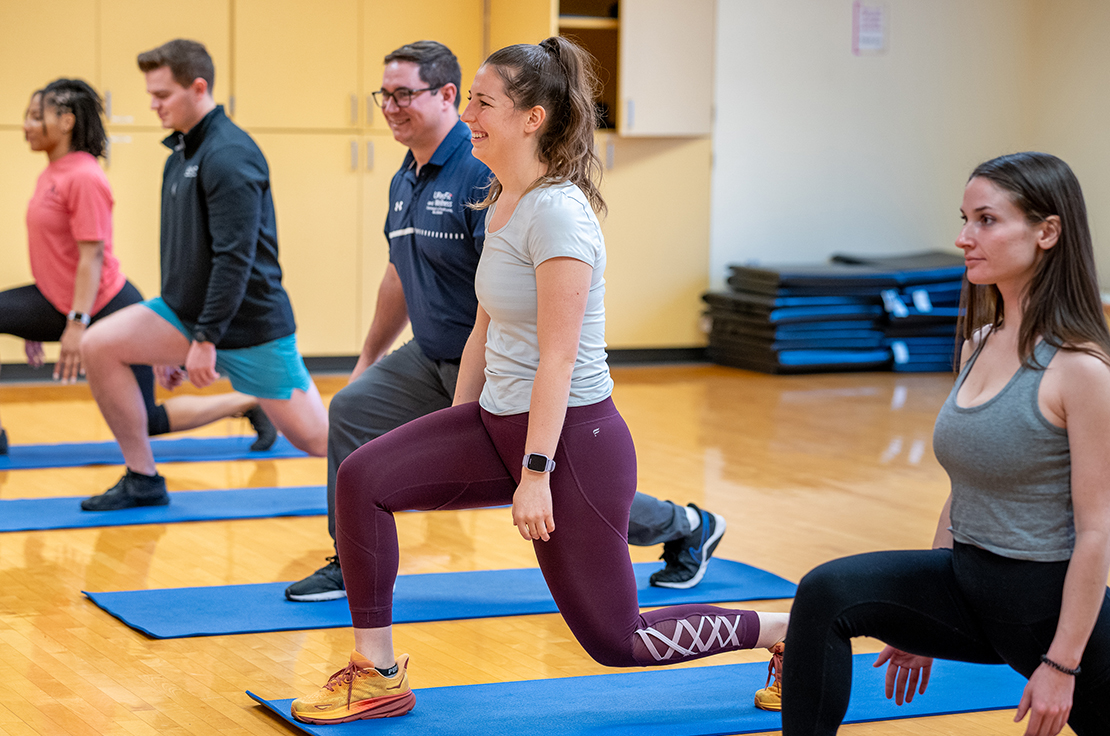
point(75, 316)
point(538, 463)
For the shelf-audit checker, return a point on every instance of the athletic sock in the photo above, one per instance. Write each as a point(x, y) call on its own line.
point(391, 672)
point(694, 517)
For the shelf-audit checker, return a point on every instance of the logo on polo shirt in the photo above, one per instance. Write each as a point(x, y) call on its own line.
point(441, 202)
point(191, 171)
point(398, 205)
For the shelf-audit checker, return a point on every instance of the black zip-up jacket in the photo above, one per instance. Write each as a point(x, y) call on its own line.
point(220, 271)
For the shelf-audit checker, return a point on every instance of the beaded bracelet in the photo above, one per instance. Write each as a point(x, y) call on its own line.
point(1059, 667)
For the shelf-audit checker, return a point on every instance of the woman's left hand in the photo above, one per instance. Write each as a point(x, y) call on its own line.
point(532, 506)
point(904, 672)
point(69, 367)
point(1047, 699)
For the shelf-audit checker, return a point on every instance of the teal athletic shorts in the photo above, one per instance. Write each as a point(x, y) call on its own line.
point(267, 371)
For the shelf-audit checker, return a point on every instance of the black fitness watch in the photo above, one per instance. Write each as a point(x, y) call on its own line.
point(199, 335)
point(538, 463)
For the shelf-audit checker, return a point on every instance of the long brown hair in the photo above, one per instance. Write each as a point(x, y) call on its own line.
point(1062, 303)
point(559, 76)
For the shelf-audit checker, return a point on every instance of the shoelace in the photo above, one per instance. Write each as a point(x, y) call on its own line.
point(774, 668)
point(345, 676)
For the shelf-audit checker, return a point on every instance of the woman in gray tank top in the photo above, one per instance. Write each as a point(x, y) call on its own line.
point(1020, 560)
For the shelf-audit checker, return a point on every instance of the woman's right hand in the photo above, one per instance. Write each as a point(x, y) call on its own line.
point(69, 367)
point(532, 513)
point(1047, 699)
point(169, 377)
point(36, 356)
point(903, 672)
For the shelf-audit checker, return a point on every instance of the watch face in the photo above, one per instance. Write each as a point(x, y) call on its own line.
point(537, 463)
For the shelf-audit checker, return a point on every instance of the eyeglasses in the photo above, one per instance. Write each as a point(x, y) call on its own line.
point(401, 96)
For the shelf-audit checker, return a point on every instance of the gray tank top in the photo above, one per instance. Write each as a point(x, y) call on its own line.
point(1010, 470)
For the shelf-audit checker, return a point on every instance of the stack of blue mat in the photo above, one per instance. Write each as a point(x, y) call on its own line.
point(853, 313)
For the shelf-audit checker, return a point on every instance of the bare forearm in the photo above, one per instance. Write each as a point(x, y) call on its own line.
point(548, 408)
point(472, 369)
point(390, 317)
point(1084, 591)
point(90, 262)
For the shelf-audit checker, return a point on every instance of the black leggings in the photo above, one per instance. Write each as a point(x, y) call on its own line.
point(964, 604)
point(25, 313)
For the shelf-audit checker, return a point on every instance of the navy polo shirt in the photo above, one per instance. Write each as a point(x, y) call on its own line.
point(435, 241)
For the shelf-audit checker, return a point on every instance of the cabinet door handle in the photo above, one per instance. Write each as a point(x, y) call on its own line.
point(231, 105)
point(354, 155)
point(108, 104)
point(354, 109)
point(631, 114)
point(369, 155)
point(610, 154)
point(369, 109)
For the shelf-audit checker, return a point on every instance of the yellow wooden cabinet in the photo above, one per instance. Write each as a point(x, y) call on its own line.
point(383, 156)
point(130, 27)
point(134, 165)
point(388, 26)
point(40, 42)
point(296, 64)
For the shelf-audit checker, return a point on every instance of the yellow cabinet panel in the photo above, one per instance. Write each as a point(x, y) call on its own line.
point(657, 240)
point(387, 26)
point(297, 64)
point(129, 27)
point(40, 42)
point(21, 167)
point(315, 180)
point(387, 155)
point(521, 21)
point(134, 166)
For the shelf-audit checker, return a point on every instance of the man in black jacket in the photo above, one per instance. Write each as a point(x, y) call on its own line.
point(223, 309)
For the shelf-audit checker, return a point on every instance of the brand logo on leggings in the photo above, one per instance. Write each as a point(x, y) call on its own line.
point(597, 431)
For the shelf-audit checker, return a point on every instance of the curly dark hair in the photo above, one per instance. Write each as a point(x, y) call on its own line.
point(78, 97)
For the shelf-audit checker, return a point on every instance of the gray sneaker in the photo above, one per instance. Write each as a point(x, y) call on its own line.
point(326, 584)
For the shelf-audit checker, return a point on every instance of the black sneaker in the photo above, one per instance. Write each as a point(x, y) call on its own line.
point(267, 432)
point(3, 442)
point(687, 558)
point(326, 584)
point(132, 490)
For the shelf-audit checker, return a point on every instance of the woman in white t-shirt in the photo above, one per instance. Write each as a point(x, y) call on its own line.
point(533, 423)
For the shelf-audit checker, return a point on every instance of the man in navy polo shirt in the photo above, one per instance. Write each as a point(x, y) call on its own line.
point(435, 241)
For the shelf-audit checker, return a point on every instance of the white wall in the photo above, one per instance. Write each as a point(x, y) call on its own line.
point(818, 151)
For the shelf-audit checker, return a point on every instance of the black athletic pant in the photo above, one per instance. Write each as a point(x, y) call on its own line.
point(25, 313)
point(965, 604)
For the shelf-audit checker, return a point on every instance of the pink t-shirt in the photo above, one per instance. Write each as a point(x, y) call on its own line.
point(72, 203)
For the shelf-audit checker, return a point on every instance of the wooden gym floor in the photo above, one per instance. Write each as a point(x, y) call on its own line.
point(804, 469)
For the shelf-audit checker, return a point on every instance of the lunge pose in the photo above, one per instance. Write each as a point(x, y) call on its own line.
point(223, 309)
point(435, 238)
point(533, 423)
point(78, 280)
point(1018, 569)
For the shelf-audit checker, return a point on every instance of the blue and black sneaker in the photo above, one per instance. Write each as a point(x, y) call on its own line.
point(688, 557)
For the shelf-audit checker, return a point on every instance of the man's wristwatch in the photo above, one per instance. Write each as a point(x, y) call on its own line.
point(75, 316)
point(538, 463)
point(199, 335)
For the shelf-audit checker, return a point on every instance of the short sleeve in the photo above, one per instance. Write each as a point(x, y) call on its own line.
point(90, 205)
point(563, 226)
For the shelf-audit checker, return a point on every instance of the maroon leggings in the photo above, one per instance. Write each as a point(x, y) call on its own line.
point(464, 457)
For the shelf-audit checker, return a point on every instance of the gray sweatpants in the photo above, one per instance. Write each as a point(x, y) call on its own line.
point(405, 385)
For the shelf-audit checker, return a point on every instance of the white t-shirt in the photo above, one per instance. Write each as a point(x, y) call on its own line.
point(548, 222)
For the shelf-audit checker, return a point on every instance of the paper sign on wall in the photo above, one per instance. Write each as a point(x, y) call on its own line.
point(869, 23)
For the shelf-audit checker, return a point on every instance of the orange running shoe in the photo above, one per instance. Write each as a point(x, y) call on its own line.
point(358, 691)
point(770, 697)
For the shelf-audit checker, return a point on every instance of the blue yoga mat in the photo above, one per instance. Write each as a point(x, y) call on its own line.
point(32, 514)
point(698, 701)
point(179, 450)
point(173, 613)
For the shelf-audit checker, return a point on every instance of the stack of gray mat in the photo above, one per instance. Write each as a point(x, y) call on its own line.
point(851, 314)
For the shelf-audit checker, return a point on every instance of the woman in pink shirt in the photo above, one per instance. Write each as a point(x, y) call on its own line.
point(77, 277)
